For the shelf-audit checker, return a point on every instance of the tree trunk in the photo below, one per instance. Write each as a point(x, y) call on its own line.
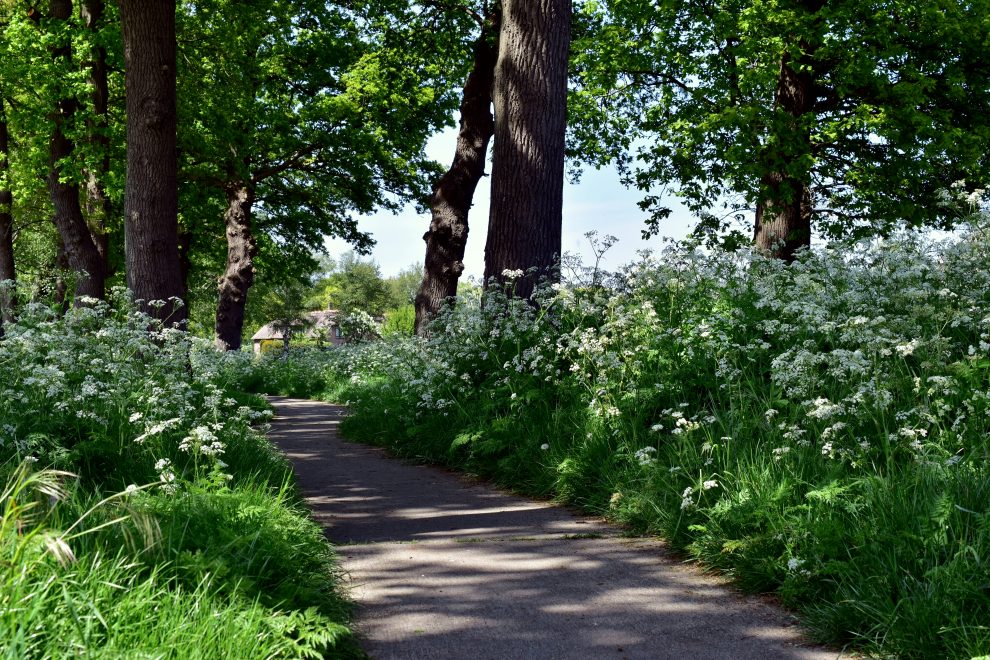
point(98, 204)
point(239, 275)
point(80, 249)
point(61, 286)
point(151, 200)
point(783, 212)
point(454, 192)
point(530, 96)
point(7, 272)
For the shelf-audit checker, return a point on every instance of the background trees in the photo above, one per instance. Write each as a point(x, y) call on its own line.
point(292, 118)
point(308, 128)
point(846, 117)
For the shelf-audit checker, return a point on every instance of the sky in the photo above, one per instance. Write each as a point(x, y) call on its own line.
point(598, 202)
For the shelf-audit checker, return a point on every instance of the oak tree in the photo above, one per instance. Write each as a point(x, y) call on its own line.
point(151, 230)
point(530, 98)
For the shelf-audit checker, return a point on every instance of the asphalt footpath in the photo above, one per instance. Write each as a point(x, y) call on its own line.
point(443, 566)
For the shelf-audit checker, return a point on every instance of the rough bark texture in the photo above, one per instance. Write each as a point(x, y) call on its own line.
point(80, 249)
point(783, 215)
point(530, 97)
point(98, 205)
point(151, 230)
point(6, 223)
point(454, 192)
point(239, 275)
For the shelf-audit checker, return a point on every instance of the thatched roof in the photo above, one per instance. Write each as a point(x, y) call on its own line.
point(323, 319)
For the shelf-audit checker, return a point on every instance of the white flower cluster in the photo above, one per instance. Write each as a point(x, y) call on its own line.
point(850, 352)
point(97, 371)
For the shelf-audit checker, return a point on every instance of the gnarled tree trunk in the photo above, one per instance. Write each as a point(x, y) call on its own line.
point(454, 192)
point(151, 201)
point(530, 97)
point(239, 275)
point(80, 249)
point(7, 272)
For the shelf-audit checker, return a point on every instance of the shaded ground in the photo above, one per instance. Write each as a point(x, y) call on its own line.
point(442, 567)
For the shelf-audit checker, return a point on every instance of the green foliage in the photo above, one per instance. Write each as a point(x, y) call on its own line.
point(400, 321)
point(354, 285)
point(404, 286)
point(815, 429)
point(684, 96)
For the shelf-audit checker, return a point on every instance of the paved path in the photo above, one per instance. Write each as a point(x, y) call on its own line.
point(442, 567)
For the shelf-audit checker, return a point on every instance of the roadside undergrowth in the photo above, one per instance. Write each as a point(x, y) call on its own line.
point(817, 430)
point(142, 511)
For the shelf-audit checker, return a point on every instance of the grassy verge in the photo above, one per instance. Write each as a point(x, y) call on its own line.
point(816, 430)
point(142, 511)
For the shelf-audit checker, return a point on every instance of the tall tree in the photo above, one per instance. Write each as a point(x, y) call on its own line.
point(454, 192)
point(530, 97)
point(7, 272)
point(80, 248)
point(99, 206)
point(847, 117)
point(151, 230)
point(324, 114)
point(782, 222)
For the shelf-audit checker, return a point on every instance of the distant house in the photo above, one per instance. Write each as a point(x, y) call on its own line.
point(317, 324)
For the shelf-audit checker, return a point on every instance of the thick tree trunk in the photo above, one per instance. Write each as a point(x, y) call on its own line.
point(98, 204)
point(82, 252)
point(783, 212)
point(151, 200)
point(7, 272)
point(454, 192)
point(783, 220)
point(530, 97)
point(239, 275)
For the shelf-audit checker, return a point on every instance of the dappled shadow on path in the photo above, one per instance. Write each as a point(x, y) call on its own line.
point(555, 598)
point(360, 495)
point(445, 568)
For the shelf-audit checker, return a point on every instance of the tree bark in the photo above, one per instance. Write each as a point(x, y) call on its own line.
point(151, 228)
point(783, 212)
point(98, 204)
point(7, 272)
point(782, 224)
point(80, 249)
point(454, 192)
point(61, 286)
point(239, 275)
point(530, 98)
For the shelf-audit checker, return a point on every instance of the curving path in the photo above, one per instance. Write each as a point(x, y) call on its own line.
point(443, 567)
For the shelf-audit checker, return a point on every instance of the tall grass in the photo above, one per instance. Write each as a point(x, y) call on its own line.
point(816, 429)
